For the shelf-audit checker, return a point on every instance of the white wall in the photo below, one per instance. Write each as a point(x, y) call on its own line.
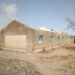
point(15, 41)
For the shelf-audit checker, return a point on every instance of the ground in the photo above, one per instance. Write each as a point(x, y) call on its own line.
point(60, 61)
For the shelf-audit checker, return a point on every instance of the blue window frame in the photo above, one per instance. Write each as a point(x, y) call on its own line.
point(41, 39)
point(52, 38)
point(58, 38)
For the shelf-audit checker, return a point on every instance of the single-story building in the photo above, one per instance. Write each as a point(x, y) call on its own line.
point(19, 36)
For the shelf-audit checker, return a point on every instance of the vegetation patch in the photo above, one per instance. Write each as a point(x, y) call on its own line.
point(17, 67)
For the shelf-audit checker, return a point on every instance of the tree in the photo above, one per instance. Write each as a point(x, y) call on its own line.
point(71, 24)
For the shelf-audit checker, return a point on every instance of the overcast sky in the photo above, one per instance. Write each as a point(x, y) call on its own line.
point(37, 13)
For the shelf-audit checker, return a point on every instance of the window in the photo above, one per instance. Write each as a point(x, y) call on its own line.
point(58, 38)
point(62, 38)
point(41, 39)
point(52, 38)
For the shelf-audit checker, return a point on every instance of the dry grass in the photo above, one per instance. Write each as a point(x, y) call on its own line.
point(17, 67)
point(60, 61)
point(69, 46)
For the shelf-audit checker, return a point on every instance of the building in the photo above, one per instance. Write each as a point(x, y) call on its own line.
point(19, 36)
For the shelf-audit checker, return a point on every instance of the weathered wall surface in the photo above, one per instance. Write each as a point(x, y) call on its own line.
point(19, 36)
point(16, 41)
point(13, 29)
point(47, 42)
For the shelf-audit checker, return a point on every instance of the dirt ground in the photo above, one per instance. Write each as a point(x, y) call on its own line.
point(60, 61)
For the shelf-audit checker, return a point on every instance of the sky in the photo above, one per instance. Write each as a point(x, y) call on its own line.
point(50, 14)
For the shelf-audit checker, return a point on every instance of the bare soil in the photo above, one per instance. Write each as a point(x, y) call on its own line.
point(60, 61)
point(17, 67)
